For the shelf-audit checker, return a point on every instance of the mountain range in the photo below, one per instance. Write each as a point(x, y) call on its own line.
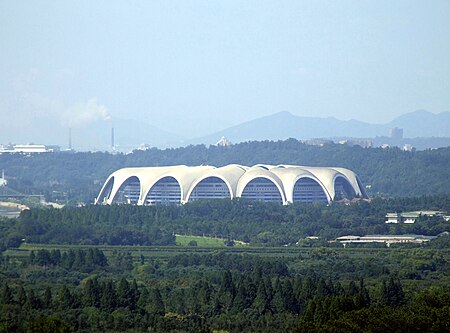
point(284, 125)
point(129, 134)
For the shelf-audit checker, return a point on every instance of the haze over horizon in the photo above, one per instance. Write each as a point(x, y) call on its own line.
point(197, 67)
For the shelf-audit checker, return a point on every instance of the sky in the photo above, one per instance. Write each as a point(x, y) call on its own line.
point(195, 67)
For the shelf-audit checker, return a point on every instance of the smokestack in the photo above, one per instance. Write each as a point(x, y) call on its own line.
point(70, 138)
point(112, 139)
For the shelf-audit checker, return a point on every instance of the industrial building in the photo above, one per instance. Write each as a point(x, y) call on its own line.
point(27, 149)
point(269, 183)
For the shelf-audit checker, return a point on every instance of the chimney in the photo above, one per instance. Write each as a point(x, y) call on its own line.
point(112, 139)
point(70, 138)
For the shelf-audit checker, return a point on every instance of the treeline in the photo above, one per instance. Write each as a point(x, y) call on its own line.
point(240, 303)
point(254, 222)
point(83, 261)
point(244, 263)
point(237, 302)
point(78, 177)
point(318, 290)
point(422, 315)
point(90, 225)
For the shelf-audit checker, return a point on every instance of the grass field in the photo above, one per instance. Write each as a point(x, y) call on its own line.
point(203, 241)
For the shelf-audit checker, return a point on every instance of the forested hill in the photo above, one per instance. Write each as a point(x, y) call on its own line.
point(79, 176)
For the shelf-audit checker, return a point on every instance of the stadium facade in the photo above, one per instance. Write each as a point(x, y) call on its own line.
point(181, 184)
point(269, 183)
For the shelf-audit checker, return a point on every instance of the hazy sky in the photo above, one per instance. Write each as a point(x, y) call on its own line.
point(205, 65)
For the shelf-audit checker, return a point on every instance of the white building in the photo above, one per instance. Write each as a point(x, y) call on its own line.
point(411, 217)
point(223, 142)
point(180, 184)
point(407, 147)
point(387, 239)
point(27, 149)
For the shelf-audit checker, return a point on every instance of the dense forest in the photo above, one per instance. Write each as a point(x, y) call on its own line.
point(257, 223)
point(319, 290)
point(78, 177)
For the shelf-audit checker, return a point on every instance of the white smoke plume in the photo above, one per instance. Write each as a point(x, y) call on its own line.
point(29, 115)
point(85, 113)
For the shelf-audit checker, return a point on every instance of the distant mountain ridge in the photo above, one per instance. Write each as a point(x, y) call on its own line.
point(129, 134)
point(283, 125)
point(422, 123)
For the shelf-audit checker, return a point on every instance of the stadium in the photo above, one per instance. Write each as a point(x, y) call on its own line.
point(269, 183)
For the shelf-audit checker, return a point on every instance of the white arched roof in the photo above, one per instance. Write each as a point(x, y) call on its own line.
point(103, 197)
point(120, 176)
point(352, 178)
point(184, 175)
point(235, 176)
point(290, 175)
point(230, 174)
point(153, 177)
point(259, 172)
point(264, 166)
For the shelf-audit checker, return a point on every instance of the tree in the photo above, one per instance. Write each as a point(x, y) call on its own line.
point(65, 299)
point(33, 302)
point(244, 295)
point(6, 294)
point(278, 304)
point(225, 295)
point(21, 296)
point(155, 304)
point(124, 294)
point(108, 299)
point(289, 297)
point(392, 292)
point(91, 293)
point(363, 295)
point(48, 325)
point(48, 299)
point(261, 302)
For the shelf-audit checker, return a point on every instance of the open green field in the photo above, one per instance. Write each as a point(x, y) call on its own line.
point(203, 241)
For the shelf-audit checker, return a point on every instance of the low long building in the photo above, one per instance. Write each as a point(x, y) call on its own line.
point(180, 184)
point(27, 149)
point(387, 239)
